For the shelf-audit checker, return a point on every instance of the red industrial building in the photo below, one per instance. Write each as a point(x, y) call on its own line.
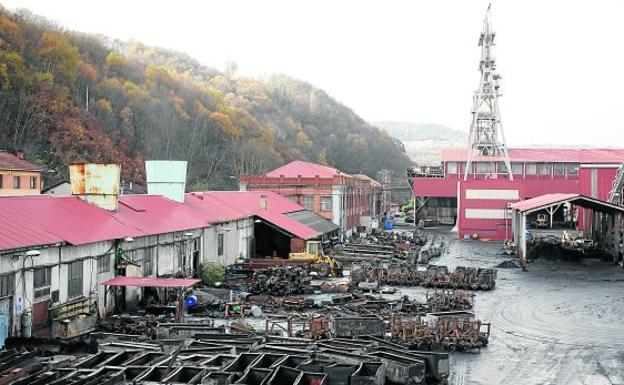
point(479, 205)
point(348, 200)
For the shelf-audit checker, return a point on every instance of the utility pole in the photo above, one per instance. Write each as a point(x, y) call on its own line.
point(486, 140)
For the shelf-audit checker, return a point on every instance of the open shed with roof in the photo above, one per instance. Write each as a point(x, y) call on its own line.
point(604, 228)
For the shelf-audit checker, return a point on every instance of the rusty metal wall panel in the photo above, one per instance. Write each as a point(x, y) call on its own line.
point(96, 183)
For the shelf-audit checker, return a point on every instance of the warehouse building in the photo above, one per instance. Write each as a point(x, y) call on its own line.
point(479, 206)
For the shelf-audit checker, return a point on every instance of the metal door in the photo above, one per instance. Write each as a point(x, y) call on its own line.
point(41, 319)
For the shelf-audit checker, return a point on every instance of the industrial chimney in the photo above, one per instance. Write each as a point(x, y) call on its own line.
point(96, 183)
point(166, 178)
point(264, 202)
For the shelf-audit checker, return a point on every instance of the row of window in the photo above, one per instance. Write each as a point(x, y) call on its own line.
point(307, 201)
point(518, 168)
point(17, 182)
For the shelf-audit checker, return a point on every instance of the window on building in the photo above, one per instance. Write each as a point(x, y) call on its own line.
point(573, 168)
point(16, 182)
point(307, 202)
point(1, 180)
point(7, 284)
point(531, 168)
point(103, 263)
point(33, 182)
point(451, 167)
point(501, 167)
point(484, 167)
point(326, 203)
point(293, 198)
point(42, 280)
point(545, 168)
point(558, 168)
point(516, 168)
point(74, 279)
point(146, 263)
point(220, 244)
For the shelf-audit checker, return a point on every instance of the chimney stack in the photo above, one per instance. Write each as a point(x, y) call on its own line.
point(264, 202)
point(166, 178)
point(96, 183)
point(20, 154)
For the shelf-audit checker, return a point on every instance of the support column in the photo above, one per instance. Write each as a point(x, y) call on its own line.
point(616, 236)
point(523, 248)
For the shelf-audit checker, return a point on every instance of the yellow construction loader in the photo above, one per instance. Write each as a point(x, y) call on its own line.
point(324, 265)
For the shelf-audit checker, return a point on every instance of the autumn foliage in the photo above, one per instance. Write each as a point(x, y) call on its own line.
point(67, 97)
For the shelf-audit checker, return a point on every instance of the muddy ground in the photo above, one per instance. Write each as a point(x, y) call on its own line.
point(557, 323)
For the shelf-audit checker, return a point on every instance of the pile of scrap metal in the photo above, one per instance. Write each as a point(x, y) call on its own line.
point(220, 358)
point(577, 241)
point(448, 300)
point(280, 281)
point(402, 274)
point(385, 246)
point(452, 331)
point(133, 324)
point(434, 247)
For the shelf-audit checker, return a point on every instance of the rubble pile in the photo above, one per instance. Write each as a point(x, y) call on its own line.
point(280, 281)
point(403, 274)
point(387, 246)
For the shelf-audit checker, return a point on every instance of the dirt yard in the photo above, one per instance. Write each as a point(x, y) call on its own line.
point(557, 323)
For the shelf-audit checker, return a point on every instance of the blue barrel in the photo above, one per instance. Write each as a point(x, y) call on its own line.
point(389, 224)
point(190, 300)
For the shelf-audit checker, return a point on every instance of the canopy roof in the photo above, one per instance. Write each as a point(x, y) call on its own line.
point(151, 282)
point(547, 200)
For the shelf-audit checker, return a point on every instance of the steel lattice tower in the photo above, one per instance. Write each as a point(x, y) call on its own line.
point(486, 137)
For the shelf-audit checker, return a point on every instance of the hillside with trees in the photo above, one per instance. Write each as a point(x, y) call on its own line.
point(67, 96)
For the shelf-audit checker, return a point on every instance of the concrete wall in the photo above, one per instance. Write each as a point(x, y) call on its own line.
point(237, 237)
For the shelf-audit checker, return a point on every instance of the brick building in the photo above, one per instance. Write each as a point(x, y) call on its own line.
point(18, 176)
point(347, 200)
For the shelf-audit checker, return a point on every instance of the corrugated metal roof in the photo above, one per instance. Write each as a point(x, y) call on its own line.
point(542, 201)
point(223, 206)
point(572, 155)
point(151, 282)
point(11, 162)
point(314, 221)
point(67, 218)
point(37, 220)
point(15, 233)
point(154, 214)
point(305, 170)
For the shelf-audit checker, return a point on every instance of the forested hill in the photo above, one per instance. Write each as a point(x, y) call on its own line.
point(68, 96)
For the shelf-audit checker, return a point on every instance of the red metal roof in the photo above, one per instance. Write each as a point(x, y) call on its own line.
point(572, 155)
point(67, 218)
point(36, 220)
point(151, 282)
point(12, 162)
point(581, 200)
point(542, 201)
point(154, 214)
point(15, 233)
point(223, 206)
point(305, 170)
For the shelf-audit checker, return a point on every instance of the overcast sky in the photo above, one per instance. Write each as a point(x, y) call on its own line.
point(562, 62)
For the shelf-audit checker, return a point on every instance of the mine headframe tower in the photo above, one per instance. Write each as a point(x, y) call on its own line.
point(486, 139)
